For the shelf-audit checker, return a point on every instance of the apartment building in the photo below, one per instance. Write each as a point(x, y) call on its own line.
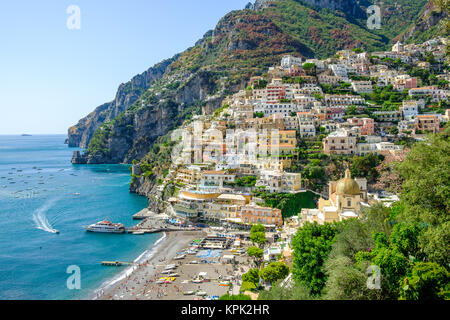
point(271, 108)
point(366, 125)
point(344, 100)
point(252, 214)
point(410, 109)
point(279, 181)
point(342, 141)
point(427, 123)
point(387, 116)
point(362, 86)
point(215, 179)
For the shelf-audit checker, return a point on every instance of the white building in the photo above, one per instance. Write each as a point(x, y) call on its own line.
point(289, 61)
point(286, 109)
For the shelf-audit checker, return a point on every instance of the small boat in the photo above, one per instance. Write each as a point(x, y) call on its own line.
point(56, 231)
point(180, 257)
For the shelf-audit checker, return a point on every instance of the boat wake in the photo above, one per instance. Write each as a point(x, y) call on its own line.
point(40, 218)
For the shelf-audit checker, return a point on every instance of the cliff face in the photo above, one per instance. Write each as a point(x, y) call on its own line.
point(130, 135)
point(80, 134)
point(426, 24)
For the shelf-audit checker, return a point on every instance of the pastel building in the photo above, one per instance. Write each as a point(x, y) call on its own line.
point(345, 199)
point(341, 141)
point(254, 214)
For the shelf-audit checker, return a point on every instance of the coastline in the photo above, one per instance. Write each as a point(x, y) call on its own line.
point(131, 280)
point(109, 284)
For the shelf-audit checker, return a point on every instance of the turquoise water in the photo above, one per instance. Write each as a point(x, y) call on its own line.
point(33, 261)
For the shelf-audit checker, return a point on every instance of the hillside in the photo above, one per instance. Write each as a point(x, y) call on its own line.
point(243, 44)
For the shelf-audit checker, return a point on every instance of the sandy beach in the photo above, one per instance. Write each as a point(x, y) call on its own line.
point(141, 283)
point(130, 287)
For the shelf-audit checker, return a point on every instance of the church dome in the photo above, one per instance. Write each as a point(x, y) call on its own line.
point(347, 186)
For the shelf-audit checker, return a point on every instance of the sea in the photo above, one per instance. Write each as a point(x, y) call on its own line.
point(40, 192)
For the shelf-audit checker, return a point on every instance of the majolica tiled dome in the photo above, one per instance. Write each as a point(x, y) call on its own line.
point(347, 186)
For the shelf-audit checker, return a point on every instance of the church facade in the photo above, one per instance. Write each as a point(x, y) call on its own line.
point(345, 198)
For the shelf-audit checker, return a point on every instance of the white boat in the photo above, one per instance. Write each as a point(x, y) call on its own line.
point(106, 226)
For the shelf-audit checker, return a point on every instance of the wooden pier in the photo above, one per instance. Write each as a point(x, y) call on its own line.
point(116, 263)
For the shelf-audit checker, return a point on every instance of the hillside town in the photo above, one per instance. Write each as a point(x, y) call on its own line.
point(252, 142)
point(231, 169)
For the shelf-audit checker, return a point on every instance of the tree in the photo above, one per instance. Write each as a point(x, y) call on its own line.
point(427, 281)
point(345, 281)
point(235, 297)
point(311, 245)
point(258, 235)
point(252, 276)
point(426, 193)
point(279, 292)
point(351, 110)
point(365, 166)
point(257, 255)
point(274, 272)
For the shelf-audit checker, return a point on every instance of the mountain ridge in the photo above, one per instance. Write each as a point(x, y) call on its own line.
point(243, 44)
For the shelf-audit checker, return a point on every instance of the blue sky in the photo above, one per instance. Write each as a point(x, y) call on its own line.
point(51, 76)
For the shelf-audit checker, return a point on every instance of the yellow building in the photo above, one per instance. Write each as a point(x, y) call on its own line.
point(345, 197)
point(226, 206)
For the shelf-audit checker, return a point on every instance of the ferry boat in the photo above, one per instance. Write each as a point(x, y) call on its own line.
point(106, 226)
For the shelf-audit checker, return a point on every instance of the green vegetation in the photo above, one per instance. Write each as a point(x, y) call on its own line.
point(365, 166)
point(256, 254)
point(251, 276)
point(258, 235)
point(290, 204)
point(274, 271)
point(408, 241)
point(277, 292)
point(235, 297)
point(311, 246)
point(247, 181)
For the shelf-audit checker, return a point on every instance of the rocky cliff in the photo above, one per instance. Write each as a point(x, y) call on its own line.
point(426, 26)
point(80, 134)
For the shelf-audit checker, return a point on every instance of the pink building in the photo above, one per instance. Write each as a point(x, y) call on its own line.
point(275, 92)
point(366, 125)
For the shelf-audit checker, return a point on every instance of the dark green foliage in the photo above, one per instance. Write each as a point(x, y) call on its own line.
point(312, 244)
point(290, 204)
point(235, 297)
point(274, 271)
point(257, 255)
point(365, 166)
point(252, 276)
point(247, 181)
point(277, 292)
point(258, 235)
point(427, 281)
